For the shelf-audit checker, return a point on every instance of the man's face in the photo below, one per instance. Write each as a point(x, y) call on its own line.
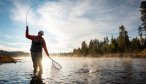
point(39, 35)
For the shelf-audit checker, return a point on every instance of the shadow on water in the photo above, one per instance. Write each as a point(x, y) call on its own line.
point(36, 80)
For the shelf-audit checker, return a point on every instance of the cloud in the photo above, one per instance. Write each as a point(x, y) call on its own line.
point(68, 23)
point(13, 46)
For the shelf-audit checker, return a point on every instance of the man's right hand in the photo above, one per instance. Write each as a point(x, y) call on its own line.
point(26, 27)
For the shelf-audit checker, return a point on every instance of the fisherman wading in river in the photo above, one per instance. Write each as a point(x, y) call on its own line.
point(38, 43)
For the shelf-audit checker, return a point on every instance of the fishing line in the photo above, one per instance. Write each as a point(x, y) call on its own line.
point(27, 15)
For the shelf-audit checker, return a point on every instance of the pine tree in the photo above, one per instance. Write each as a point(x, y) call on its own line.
point(140, 33)
point(143, 14)
point(113, 45)
point(106, 45)
point(135, 44)
point(123, 39)
point(91, 44)
point(84, 48)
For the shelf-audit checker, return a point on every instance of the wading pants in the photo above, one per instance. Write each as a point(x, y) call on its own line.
point(37, 61)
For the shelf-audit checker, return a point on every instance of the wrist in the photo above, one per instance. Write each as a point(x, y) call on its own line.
point(26, 27)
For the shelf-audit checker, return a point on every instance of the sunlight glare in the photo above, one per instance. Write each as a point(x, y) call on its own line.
point(45, 61)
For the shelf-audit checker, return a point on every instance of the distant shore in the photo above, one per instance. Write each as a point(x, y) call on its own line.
point(10, 56)
point(131, 55)
point(7, 59)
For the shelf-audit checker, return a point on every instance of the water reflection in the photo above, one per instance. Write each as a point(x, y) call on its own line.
point(128, 71)
point(77, 71)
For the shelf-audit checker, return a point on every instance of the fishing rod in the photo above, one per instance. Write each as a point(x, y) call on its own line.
point(54, 63)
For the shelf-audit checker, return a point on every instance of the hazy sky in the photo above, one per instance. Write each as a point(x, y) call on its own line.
point(66, 23)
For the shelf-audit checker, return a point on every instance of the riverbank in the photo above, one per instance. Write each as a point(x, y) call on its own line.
point(7, 59)
point(132, 55)
point(122, 55)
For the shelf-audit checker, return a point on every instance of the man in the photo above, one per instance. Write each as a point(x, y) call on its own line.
point(38, 43)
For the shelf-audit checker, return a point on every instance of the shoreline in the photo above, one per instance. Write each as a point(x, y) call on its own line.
point(7, 59)
point(119, 55)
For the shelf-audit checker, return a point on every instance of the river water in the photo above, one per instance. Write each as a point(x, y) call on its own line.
point(77, 70)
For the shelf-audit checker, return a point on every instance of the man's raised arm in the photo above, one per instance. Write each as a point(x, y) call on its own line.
point(27, 34)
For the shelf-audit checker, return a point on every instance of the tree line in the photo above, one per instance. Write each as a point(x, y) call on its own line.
point(121, 44)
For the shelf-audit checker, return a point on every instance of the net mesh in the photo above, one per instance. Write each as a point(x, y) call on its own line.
point(56, 65)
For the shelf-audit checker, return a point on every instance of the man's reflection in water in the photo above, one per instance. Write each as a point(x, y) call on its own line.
point(37, 79)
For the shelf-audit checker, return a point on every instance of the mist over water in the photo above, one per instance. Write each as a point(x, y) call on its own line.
point(77, 70)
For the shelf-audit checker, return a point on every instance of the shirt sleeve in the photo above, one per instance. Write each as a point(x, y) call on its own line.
point(45, 48)
point(27, 35)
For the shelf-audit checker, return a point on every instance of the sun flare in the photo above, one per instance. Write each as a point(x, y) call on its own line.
point(45, 61)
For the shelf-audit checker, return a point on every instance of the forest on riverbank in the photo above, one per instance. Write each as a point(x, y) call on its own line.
point(117, 45)
point(121, 44)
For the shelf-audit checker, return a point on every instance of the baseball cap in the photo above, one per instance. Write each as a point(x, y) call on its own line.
point(41, 32)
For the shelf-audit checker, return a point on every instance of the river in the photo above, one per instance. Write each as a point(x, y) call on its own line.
point(77, 70)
